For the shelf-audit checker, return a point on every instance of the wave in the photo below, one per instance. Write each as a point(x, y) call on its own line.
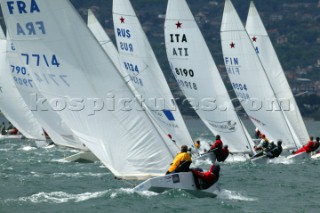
point(232, 195)
point(63, 197)
point(28, 148)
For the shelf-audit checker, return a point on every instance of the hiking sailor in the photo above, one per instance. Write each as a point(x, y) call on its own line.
point(181, 162)
point(311, 146)
point(224, 154)
point(275, 151)
point(205, 180)
point(217, 146)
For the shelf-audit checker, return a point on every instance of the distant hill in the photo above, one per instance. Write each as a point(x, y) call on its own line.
point(293, 25)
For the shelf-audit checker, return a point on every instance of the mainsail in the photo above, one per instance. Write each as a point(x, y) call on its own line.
point(199, 78)
point(100, 110)
point(12, 105)
point(249, 80)
point(275, 73)
point(140, 63)
point(59, 133)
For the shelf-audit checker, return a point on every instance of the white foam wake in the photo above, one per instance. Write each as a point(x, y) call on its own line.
point(61, 197)
point(232, 195)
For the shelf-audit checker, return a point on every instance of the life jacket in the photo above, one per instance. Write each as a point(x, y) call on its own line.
point(309, 147)
point(181, 163)
point(217, 145)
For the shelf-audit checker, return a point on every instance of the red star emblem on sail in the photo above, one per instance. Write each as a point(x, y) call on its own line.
point(232, 45)
point(122, 20)
point(178, 24)
point(254, 39)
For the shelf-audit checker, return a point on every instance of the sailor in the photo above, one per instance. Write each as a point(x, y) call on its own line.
point(262, 147)
point(217, 146)
point(224, 154)
point(197, 144)
point(317, 144)
point(271, 146)
point(264, 143)
point(170, 136)
point(275, 151)
point(309, 147)
point(3, 128)
point(181, 162)
point(257, 133)
point(205, 180)
point(12, 130)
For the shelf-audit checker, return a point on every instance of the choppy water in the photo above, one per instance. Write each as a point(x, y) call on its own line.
point(38, 180)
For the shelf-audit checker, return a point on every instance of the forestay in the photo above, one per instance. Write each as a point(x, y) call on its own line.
point(12, 105)
point(199, 79)
point(99, 103)
point(249, 79)
point(275, 73)
point(140, 63)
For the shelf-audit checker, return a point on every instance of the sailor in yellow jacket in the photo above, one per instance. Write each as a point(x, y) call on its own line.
point(181, 162)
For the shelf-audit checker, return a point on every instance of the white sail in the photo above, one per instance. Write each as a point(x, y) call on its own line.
point(140, 63)
point(77, 68)
point(249, 79)
point(199, 78)
point(275, 73)
point(104, 40)
point(59, 133)
point(12, 105)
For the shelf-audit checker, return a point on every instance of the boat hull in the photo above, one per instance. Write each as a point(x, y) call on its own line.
point(261, 159)
point(183, 180)
point(316, 156)
point(300, 156)
point(3, 137)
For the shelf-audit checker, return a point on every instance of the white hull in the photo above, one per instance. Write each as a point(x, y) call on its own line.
point(82, 156)
point(316, 156)
point(183, 180)
point(261, 159)
point(3, 137)
point(300, 156)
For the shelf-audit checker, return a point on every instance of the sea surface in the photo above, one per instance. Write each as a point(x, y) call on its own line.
point(39, 180)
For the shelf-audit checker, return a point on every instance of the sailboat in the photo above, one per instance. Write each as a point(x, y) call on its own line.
point(124, 139)
point(116, 136)
point(250, 81)
point(199, 78)
point(140, 64)
point(275, 73)
point(158, 184)
point(12, 105)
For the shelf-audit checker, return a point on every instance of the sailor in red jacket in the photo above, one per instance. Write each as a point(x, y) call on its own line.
point(224, 154)
point(205, 180)
point(309, 147)
point(218, 144)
